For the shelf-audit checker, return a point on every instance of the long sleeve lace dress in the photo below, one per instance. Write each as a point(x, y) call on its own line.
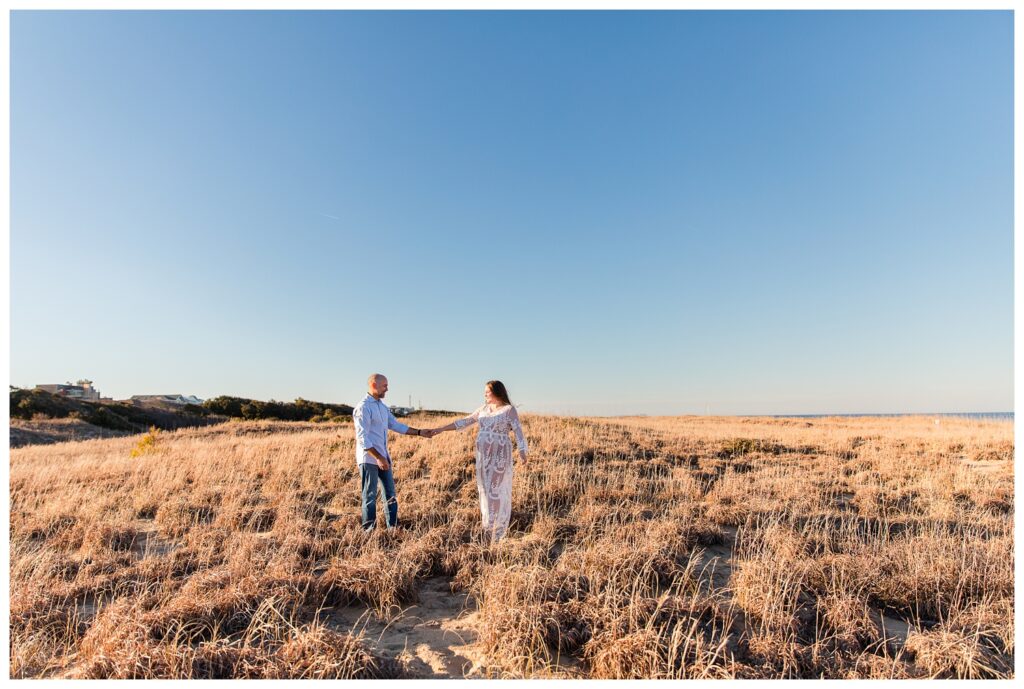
point(494, 463)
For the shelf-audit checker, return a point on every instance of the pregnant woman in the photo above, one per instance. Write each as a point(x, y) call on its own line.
point(494, 455)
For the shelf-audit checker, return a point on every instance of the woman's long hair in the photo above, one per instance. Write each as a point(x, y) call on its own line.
point(497, 389)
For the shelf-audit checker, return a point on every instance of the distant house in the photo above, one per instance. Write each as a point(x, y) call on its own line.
point(81, 390)
point(402, 411)
point(170, 399)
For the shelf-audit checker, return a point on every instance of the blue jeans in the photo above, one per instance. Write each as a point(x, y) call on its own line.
point(370, 475)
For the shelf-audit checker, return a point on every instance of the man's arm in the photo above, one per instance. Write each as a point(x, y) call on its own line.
point(399, 427)
point(360, 425)
point(382, 462)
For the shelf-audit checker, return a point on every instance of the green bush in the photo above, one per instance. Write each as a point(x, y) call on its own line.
point(299, 410)
point(737, 447)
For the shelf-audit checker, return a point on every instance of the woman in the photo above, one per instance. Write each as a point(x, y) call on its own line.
point(494, 455)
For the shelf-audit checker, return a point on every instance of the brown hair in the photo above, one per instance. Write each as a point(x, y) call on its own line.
point(497, 389)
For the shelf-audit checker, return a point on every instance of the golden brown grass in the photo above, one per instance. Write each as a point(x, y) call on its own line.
point(639, 548)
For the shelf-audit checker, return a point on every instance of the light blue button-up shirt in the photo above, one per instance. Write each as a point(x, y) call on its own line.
point(372, 419)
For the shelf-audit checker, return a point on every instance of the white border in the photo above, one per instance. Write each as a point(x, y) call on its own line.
point(423, 5)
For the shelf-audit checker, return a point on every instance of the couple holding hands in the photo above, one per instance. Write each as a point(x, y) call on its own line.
point(497, 418)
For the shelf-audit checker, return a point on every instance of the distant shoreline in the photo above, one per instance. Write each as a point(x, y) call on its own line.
point(981, 416)
point(992, 415)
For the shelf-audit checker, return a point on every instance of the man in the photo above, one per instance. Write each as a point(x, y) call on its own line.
point(372, 420)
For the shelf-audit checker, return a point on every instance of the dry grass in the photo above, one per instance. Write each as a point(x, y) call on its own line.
point(639, 548)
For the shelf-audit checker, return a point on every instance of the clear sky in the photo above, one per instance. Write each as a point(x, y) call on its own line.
point(612, 212)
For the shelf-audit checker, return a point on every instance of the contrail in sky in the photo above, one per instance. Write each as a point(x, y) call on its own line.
point(332, 217)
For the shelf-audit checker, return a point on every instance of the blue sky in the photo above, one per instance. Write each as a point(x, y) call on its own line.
point(612, 212)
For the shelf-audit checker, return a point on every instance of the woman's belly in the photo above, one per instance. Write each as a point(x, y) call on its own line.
point(493, 443)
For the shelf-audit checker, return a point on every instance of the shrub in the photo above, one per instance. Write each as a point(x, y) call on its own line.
point(299, 410)
point(147, 443)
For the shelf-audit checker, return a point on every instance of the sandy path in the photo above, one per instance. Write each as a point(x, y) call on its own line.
point(435, 638)
point(715, 563)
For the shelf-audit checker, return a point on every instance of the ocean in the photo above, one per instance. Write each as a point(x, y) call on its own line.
point(981, 415)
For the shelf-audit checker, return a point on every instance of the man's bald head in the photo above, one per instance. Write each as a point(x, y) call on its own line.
point(377, 385)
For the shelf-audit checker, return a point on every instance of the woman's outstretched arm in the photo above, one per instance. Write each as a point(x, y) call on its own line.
point(442, 429)
point(458, 424)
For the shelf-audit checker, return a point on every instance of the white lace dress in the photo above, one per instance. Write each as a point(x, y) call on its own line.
point(494, 463)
